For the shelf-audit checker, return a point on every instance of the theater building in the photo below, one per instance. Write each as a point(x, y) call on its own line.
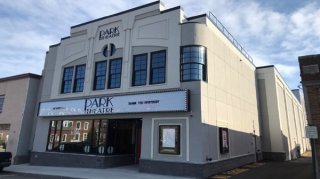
point(148, 86)
point(282, 117)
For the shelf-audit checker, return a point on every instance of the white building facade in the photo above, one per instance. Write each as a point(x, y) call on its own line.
point(282, 117)
point(148, 86)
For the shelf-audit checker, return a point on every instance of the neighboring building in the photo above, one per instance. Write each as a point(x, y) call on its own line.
point(175, 95)
point(310, 79)
point(282, 117)
point(18, 97)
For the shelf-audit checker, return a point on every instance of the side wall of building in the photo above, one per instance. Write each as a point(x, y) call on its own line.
point(24, 146)
point(228, 99)
point(15, 94)
point(282, 117)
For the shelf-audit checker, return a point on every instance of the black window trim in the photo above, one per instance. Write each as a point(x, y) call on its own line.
point(205, 66)
point(94, 75)
point(75, 78)
point(133, 65)
point(109, 72)
point(165, 66)
point(62, 81)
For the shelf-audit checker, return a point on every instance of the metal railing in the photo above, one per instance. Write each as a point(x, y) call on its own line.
point(224, 30)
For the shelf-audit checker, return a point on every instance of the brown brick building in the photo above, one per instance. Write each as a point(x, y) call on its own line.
point(310, 79)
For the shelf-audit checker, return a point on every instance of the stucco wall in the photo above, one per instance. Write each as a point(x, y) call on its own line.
point(228, 98)
point(284, 118)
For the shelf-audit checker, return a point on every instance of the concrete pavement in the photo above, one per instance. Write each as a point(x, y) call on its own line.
point(124, 172)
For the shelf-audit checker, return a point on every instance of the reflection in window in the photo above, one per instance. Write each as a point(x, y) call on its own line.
point(64, 137)
point(67, 80)
point(79, 78)
point(115, 73)
point(103, 137)
point(86, 125)
point(100, 75)
point(139, 76)
point(193, 63)
point(158, 67)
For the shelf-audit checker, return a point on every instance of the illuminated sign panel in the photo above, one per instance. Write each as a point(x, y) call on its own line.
point(150, 102)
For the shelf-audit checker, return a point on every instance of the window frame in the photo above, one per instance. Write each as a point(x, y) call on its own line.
point(95, 76)
point(86, 126)
point(109, 73)
point(166, 150)
point(151, 69)
point(64, 138)
point(204, 72)
point(63, 80)
point(133, 69)
point(2, 98)
point(224, 146)
point(78, 122)
point(76, 79)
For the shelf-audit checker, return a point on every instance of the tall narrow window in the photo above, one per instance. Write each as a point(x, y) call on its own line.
point(67, 80)
point(1, 102)
point(193, 63)
point(158, 67)
point(79, 78)
point(115, 67)
point(100, 75)
point(139, 76)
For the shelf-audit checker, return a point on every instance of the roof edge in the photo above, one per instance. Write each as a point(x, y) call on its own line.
point(24, 75)
point(119, 13)
point(267, 66)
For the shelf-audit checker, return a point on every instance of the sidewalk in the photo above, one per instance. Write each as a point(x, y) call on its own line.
point(86, 173)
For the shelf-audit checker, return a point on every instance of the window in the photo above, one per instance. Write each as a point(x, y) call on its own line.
point(100, 75)
point(51, 137)
point(67, 124)
point(85, 136)
point(79, 78)
point(103, 137)
point(64, 137)
point(158, 67)
point(139, 76)
point(224, 140)
point(86, 125)
point(76, 137)
point(1, 102)
point(115, 73)
point(67, 80)
point(193, 63)
point(78, 125)
point(169, 139)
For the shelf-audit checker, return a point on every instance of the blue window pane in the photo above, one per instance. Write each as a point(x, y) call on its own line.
point(115, 73)
point(193, 63)
point(67, 80)
point(158, 67)
point(100, 75)
point(79, 78)
point(139, 76)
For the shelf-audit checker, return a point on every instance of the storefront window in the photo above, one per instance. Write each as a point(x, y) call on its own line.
point(102, 137)
point(169, 139)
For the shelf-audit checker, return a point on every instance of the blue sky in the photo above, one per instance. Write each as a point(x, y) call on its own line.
point(272, 31)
